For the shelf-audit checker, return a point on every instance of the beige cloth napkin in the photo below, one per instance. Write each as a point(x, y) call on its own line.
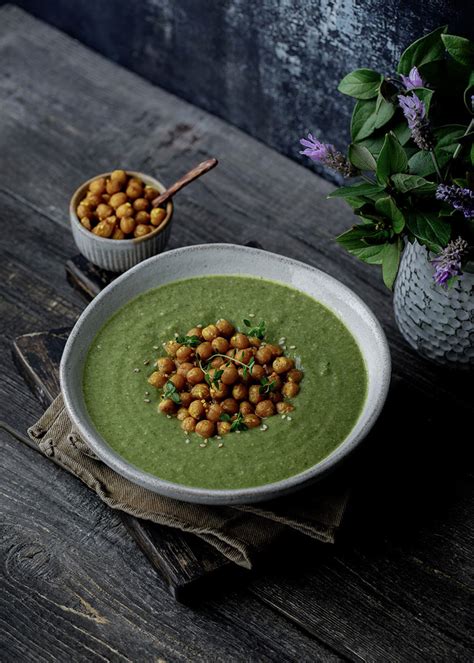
point(241, 533)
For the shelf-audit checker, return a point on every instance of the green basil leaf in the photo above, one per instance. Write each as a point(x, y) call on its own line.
point(390, 262)
point(460, 49)
point(392, 159)
point(361, 84)
point(426, 49)
point(402, 132)
point(388, 208)
point(468, 93)
point(364, 189)
point(384, 111)
point(447, 137)
point(425, 94)
point(373, 255)
point(361, 158)
point(412, 183)
point(429, 229)
point(363, 119)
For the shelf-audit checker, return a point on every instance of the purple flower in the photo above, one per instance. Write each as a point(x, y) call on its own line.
point(327, 155)
point(414, 111)
point(448, 262)
point(412, 80)
point(459, 198)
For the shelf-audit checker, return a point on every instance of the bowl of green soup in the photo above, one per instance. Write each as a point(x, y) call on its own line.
point(223, 374)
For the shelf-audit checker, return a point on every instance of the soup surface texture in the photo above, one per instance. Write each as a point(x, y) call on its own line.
point(332, 392)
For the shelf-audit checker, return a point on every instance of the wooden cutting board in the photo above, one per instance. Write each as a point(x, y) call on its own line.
point(188, 564)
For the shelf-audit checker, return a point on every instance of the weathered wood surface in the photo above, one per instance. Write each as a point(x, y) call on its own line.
point(396, 586)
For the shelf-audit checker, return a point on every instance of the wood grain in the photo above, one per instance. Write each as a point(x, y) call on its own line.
point(398, 583)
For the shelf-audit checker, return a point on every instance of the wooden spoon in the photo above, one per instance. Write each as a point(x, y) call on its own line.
point(193, 174)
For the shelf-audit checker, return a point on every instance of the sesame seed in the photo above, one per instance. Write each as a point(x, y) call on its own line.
point(203, 446)
point(147, 393)
point(288, 418)
point(264, 427)
point(146, 362)
point(292, 347)
point(218, 437)
point(155, 347)
point(238, 432)
point(187, 441)
point(220, 445)
point(251, 315)
point(146, 400)
point(136, 370)
point(283, 416)
point(168, 416)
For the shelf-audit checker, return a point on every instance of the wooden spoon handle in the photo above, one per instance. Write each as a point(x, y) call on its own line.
point(193, 174)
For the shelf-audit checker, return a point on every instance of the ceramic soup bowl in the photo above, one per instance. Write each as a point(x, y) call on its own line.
point(226, 259)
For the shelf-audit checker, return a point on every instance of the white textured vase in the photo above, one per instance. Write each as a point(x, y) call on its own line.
point(438, 322)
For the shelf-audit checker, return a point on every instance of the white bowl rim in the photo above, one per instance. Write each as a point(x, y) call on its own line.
point(238, 495)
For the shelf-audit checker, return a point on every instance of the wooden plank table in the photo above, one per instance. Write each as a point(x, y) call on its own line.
point(74, 584)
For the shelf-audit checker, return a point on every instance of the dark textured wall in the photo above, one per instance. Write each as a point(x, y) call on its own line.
point(270, 67)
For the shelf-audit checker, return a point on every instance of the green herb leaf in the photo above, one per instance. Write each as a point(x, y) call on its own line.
point(363, 119)
point(392, 159)
point(266, 385)
point(429, 229)
point(356, 190)
point(248, 368)
point(225, 417)
point(361, 84)
point(238, 423)
point(384, 111)
point(426, 49)
point(447, 136)
point(171, 392)
point(388, 208)
point(426, 95)
point(412, 184)
point(258, 331)
point(192, 341)
point(391, 261)
point(460, 49)
point(361, 158)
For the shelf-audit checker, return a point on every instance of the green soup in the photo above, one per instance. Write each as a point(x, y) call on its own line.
point(332, 392)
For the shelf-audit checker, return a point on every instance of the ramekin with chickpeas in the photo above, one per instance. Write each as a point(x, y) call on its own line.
point(113, 221)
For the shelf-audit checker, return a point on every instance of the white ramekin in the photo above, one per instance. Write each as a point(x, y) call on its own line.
point(119, 255)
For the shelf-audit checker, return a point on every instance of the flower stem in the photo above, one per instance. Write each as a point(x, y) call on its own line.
point(436, 165)
point(367, 179)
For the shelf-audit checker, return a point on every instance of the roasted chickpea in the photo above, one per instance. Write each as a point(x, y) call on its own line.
point(197, 409)
point(195, 375)
point(119, 176)
point(276, 350)
point(86, 223)
point(205, 428)
point(214, 412)
point(290, 389)
point(185, 367)
point(246, 408)
point(239, 341)
point(188, 424)
point(103, 229)
point(112, 187)
point(84, 210)
point(204, 350)
point(127, 224)
point(98, 185)
point(184, 353)
point(210, 332)
point(251, 420)
point(220, 344)
point(265, 409)
point(295, 375)
point(118, 234)
point(134, 190)
point(284, 408)
point(185, 398)
point(165, 365)
point(217, 362)
point(111, 220)
point(141, 230)
point(283, 364)
point(195, 331)
point(223, 427)
point(244, 375)
point(103, 211)
point(140, 204)
point(182, 414)
point(257, 372)
point(224, 327)
point(105, 197)
point(221, 392)
point(117, 200)
point(240, 392)
point(200, 391)
point(142, 217)
point(230, 375)
point(244, 355)
point(93, 199)
point(178, 380)
point(167, 406)
point(254, 394)
point(171, 348)
point(124, 210)
point(276, 381)
point(275, 396)
point(150, 192)
point(230, 406)
point(157, 379)
point(263, 354)
point(157, 215)
point(254, 341)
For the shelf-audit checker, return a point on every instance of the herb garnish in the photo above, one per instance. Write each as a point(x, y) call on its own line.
point(248, 368)
point(238, 423)
point(171, 392)
point(258, 331)
point(192, 341)
point(225, 417)
point(212, 382)
point(266, 385)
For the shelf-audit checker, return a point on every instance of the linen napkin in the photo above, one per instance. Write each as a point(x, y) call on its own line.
point(240, 533)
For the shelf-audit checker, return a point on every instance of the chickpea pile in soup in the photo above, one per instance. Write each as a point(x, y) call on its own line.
point(119, 207)
point(216, 380)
